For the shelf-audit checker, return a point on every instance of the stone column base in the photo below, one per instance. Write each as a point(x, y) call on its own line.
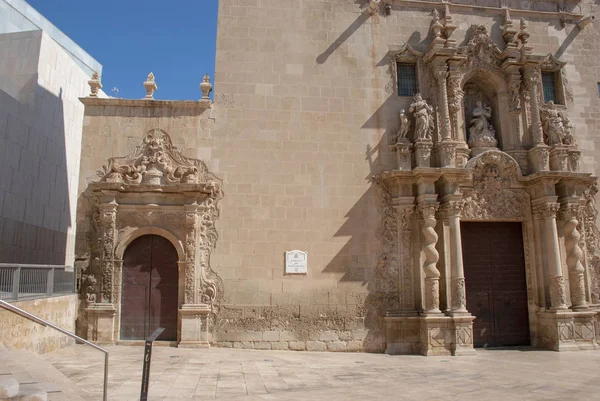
point(101, 323)
point(194, 327)
point(567, 330)
point(422, 153)
point(403, 158)
point(559, 158)
point(539, 159)
point(430, 335)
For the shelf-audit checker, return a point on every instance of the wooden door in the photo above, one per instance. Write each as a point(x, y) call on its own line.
point(495, 283)
point(149, 289)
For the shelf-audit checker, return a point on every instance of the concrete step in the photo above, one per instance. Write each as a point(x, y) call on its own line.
point(35, 375)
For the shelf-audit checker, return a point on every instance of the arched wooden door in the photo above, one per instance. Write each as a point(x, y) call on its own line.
point(149, 289)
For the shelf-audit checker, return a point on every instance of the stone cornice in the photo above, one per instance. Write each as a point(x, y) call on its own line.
point(188, 104)
point(468, 8)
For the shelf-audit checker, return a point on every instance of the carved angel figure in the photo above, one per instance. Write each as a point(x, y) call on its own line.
point(568, 139)
point(552, 122)
point(481, 132)
point(404, 126)
point(422, 113)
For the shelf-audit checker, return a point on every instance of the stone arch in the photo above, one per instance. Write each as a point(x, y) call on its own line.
point(128, 238)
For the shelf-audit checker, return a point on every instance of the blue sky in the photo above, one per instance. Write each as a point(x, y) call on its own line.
point(174, 39)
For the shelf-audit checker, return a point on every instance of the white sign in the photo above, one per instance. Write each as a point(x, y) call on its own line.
point(296, 262)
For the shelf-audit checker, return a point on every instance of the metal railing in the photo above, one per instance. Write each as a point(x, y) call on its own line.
point(37, 320)
point(21, 282)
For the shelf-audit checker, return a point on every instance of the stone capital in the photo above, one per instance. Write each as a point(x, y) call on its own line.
point(545, 210)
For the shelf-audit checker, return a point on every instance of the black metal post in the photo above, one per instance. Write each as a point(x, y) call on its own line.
point(147, 359)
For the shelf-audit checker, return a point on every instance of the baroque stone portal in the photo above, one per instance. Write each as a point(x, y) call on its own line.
point(154, 190)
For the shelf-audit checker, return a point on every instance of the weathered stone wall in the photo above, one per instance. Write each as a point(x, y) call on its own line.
point(21, 333)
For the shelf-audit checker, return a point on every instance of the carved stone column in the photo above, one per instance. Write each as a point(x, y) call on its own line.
point(568, 214)
point(532, 82)
point(431, 257)
point(405, 210)
point(191, 236)
point(108, 213)
point(458, 295)
point(545, 213)
point(441, 76)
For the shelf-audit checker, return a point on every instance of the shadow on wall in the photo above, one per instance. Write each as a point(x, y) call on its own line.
point(365, 259)
point(34, 191)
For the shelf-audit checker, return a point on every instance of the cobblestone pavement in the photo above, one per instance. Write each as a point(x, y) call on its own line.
point(249, 375)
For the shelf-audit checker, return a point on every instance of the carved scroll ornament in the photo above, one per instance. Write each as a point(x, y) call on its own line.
point(154, 162)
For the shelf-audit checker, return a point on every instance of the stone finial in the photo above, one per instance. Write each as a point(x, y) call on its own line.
point(150, 86)
point(95, 84)
point(436, 26)
point(524, 33)
point(206, 87)
point(509, 31)
point(449, 27)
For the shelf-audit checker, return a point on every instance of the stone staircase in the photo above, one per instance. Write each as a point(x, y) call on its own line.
point(25, 376)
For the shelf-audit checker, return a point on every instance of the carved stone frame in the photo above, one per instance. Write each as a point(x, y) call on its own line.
point(154, 190)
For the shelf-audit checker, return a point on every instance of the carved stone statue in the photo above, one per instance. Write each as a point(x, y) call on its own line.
point(552, 122)
point(568, 139)
point(404, 126)
point(423, 119)
point(481, 132)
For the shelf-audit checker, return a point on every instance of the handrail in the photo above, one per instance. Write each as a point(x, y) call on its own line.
point(66, 267)
point(37, 320)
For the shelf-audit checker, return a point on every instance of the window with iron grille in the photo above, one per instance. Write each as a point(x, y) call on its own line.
point(549, 86)
point(407, 79)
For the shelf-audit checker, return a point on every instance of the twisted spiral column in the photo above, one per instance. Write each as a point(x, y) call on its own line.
point(432, 274)
point(574, 256)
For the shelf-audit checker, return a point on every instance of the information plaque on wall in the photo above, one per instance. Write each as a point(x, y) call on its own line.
point(296, 262)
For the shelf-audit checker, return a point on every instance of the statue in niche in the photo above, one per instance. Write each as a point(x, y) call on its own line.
point(481, 132)
point(404, 127)
point(553, 124)
point(423, 118)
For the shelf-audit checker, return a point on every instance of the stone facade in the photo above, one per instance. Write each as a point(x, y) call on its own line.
point(305, 138)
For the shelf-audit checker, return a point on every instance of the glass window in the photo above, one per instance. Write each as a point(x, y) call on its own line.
point(598, 89)
point(549, 85)
point(407, 79)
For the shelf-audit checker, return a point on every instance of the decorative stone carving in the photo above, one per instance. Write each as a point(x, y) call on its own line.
point(491, 197)
point(568, 213)
point(89, 288)
point(532, 81)
point(388, 269)
point(423, 114)
point(95, 84)
point(552, 123)
point(436, 25)
point(108, 214)
point(155, 162)
point(481, 132)
point(481, 50)
point(459, 300)
point(589, 217)
point(509, 31)
point(449, 27)
point(432, 274)
point(150, 86)
point(191, 229)
point(557, 292)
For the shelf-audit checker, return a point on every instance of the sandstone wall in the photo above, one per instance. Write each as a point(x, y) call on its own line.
point(21, 333)
point(304, 105)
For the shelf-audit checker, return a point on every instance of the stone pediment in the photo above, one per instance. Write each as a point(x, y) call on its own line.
point(551, 63)
point(155, 162)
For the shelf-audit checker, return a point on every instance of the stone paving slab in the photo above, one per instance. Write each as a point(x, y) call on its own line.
point(251, 375)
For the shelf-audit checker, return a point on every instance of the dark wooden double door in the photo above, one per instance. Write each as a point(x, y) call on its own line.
point(149, 292)
point(495, 283)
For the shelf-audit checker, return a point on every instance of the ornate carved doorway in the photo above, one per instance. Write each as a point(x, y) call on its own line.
point(149, 295)
point(496, 284)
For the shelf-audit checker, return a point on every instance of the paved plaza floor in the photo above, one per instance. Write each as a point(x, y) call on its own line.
point(252, 375)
